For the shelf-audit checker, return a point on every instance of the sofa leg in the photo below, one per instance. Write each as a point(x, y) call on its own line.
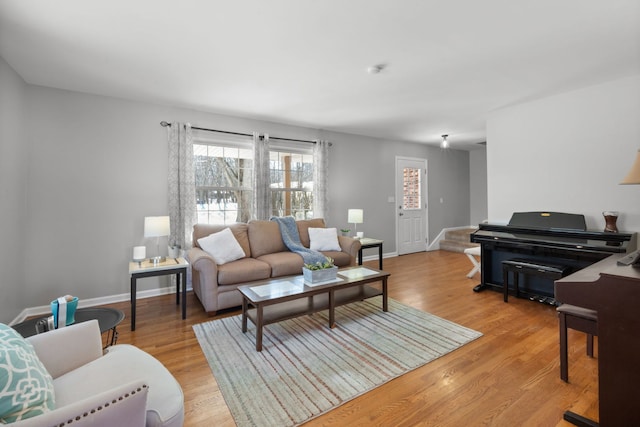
point(211, 313)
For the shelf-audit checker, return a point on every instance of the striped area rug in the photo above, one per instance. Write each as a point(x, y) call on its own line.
point(306, 369)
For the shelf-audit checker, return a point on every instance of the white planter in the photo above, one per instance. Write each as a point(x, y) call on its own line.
point(315, 276)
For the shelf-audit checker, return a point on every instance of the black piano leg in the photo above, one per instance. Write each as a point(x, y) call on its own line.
point(479, 288)
point(579, 420)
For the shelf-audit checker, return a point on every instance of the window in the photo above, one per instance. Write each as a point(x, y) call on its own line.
point(224, 170)
point(291, 173)
point(411, 189)
point(224, 181)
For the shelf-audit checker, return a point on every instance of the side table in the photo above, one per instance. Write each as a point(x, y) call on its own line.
point(108, 319)
point(367, 242)
point(146, 268)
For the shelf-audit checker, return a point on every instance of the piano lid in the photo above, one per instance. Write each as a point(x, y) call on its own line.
point(551, 229)
point(548, 220)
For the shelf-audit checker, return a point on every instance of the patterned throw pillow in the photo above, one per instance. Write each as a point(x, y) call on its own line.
point(26, 388)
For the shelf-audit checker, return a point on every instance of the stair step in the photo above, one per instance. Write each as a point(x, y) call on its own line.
point(457, 240)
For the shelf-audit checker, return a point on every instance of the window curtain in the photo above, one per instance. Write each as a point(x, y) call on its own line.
point(320, 179)
point(182, 185)
point(261, 177)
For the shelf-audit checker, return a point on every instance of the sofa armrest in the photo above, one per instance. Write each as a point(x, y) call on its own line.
point(65, 349)
point(350, 246)
point(125, 405)
point(203, 262)
point(204, 278)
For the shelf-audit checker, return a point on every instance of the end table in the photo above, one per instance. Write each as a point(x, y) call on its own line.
point(147, 268)
point(367, 242)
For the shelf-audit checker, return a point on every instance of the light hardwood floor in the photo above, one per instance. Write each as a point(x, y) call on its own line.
point(508, 377)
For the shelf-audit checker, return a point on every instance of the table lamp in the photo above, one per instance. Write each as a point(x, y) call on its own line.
point(157, 226)
point(355, 216)
point(633, 176)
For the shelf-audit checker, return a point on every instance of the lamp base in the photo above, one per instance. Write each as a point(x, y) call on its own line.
point(157, 259)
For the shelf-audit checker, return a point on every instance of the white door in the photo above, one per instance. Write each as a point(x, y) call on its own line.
point(411, 204)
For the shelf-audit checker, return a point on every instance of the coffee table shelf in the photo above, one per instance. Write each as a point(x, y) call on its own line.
point(289, 297)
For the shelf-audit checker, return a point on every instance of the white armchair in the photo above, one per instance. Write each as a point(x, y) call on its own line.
point(123, 387)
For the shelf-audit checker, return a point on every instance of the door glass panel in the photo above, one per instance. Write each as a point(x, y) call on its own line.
point(411, 182)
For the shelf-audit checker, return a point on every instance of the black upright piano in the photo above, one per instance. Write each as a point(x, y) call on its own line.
point(553, 238)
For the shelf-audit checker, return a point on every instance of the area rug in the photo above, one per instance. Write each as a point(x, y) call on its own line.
point(306, 369)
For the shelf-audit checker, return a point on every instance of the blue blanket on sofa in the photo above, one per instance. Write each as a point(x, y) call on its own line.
point(291, 238)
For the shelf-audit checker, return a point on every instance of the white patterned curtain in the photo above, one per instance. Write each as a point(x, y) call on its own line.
point(261, 177)
point(320, 179)
point(182, 186)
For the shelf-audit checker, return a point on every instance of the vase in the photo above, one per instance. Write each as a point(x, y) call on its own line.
point(610, 218)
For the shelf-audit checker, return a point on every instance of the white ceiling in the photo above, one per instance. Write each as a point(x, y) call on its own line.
point(304, 62)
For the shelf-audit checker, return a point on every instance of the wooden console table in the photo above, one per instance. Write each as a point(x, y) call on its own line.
point(614, 292)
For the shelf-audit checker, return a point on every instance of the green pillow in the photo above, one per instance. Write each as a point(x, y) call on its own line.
point(26, 388)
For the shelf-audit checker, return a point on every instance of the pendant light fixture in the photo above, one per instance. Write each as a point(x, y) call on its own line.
point(444, 144)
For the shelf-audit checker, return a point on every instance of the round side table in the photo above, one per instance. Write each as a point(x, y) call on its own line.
point(108, 319)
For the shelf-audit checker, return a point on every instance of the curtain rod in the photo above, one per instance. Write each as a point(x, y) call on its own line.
point(165, 124)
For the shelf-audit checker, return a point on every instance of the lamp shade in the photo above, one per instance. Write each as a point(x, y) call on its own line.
point(156, 226)
point(633, 176)
point(355, 216)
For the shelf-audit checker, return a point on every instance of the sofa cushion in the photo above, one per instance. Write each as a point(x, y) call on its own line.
point(242, 271)
point(265, 238)
point(222, 246)
point(27, 388)
point(324, 239)
point(239, 230)
point(303, 229)
point(121, 364)
point(284, 263)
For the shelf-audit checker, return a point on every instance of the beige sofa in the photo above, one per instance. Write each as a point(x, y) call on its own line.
point(266, 256)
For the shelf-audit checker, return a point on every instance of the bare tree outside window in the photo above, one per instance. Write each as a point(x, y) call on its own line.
point(223, 183)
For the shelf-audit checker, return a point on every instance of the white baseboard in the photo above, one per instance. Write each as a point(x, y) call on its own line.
point(92, 302)
point(376, 258)
point(110, 299)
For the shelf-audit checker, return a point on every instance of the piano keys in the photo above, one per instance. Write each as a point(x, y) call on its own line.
point(543, 237)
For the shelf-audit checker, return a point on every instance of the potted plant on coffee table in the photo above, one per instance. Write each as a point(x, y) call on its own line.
point(320, 271)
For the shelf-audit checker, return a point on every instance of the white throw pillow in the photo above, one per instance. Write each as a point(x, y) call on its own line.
point(222, 246)
point(324, 239)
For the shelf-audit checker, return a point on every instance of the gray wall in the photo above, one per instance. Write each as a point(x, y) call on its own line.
point(567, 153)
point(478, 185)
point(13, 191)
point(98, 165)
point(362, 174)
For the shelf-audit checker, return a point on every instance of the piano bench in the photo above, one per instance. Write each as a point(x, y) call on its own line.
point(529, 266)
point(580, 319)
